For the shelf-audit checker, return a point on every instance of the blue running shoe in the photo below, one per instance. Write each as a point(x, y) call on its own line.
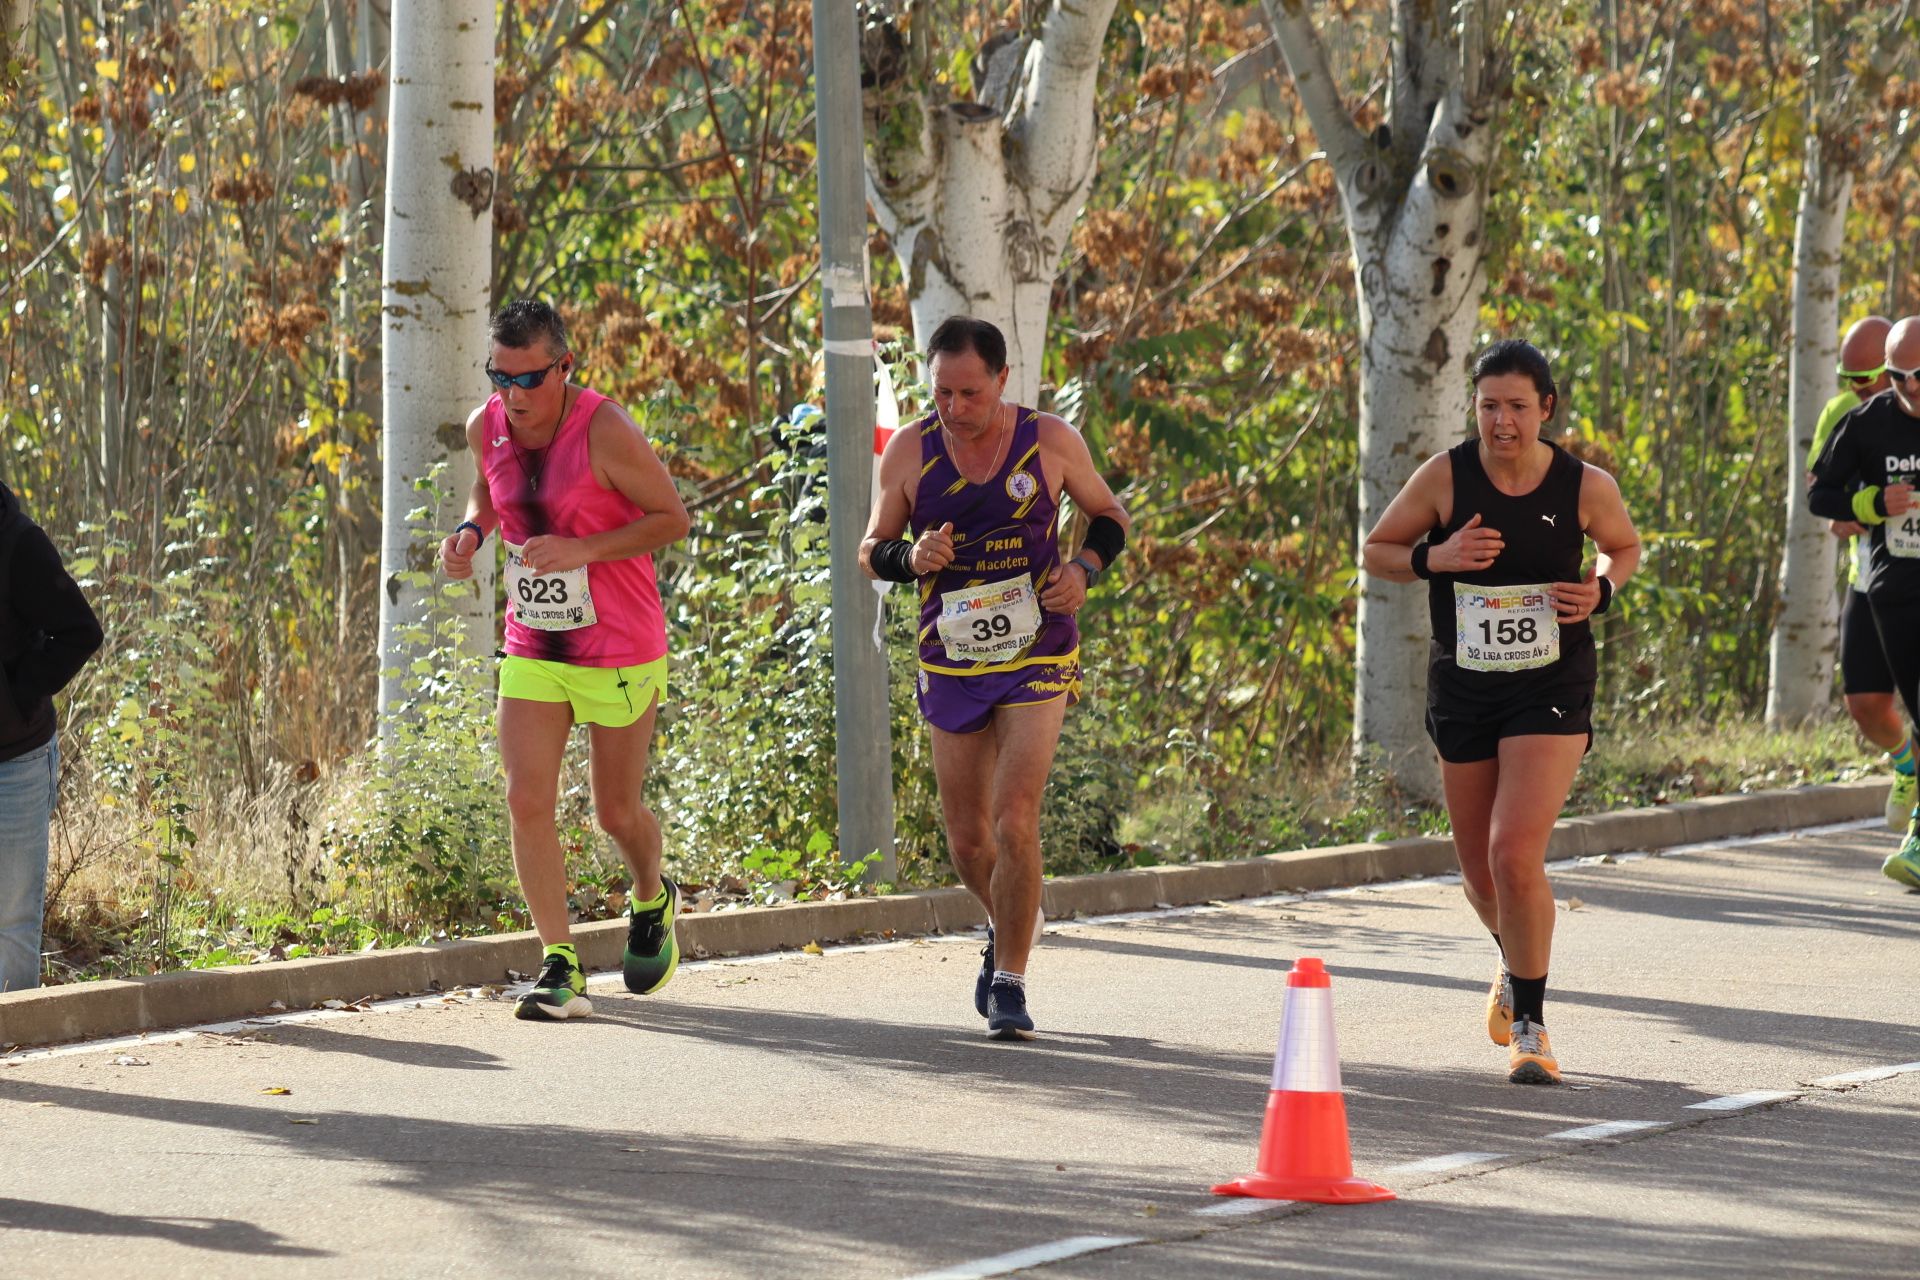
point(653, 950)
point(1007, 1012)
point(985, 979)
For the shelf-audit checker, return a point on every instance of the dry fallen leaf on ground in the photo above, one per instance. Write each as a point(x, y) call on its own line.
point(298, 1120)
point(1574, 904)
point(278, 1090)
point(814, 949)
point(128, 1060)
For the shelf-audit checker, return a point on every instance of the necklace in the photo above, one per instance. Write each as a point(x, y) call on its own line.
point(999, 454)
point(534, 473)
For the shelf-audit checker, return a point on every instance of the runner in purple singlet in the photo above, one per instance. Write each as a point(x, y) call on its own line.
point(978, 481)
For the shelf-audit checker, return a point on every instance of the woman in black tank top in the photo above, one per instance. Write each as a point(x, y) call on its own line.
point(1498, 526)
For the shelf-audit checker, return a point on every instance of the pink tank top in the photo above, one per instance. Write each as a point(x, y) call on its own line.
point(552, 491)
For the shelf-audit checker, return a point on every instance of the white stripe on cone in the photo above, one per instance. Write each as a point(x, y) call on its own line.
point(1308, 1060)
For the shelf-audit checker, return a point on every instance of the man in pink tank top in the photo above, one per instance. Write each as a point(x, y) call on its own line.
point(582, 503)
point(978, 481)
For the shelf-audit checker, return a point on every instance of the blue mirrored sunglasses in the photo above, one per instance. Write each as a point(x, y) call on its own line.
point(525, 381)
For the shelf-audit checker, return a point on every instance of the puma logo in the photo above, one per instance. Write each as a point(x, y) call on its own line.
point(1550, 520)
point(1558, 712)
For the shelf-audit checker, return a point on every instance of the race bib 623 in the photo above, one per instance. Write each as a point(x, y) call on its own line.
point(548, 601)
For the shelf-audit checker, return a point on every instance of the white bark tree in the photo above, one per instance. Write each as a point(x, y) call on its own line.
point(434, 293)
point(1414, 193)
point(978, 197)
point(1805, 636)
point(1806, 632)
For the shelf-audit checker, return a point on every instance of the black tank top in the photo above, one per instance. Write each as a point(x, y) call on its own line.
point(1544, 543)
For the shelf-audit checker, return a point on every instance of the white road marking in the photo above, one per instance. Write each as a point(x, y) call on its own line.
point(1606, 1129)
point(1238, 1206)
point(1864, 1075)
point(1741, 1101)
point(1441, 1164)
point(1038, 1255)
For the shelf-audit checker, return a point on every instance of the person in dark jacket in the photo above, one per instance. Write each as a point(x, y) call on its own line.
point(47, 632)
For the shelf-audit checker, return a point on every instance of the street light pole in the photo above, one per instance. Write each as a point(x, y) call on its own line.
point(863, 741)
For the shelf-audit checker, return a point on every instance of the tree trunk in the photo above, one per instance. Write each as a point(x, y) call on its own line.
point(434, 313)
point(979, 197)
point(1414, 196)
point(1806, 633)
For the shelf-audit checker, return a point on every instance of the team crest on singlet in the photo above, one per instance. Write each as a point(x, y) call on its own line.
point(1021, 485)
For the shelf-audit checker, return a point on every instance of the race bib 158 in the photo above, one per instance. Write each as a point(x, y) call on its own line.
point(1504, 628)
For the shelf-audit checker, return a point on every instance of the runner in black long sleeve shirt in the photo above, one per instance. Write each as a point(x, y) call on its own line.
point(1867, 473)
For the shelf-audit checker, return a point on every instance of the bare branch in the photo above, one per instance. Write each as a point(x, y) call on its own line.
point(1426, 59)
point(1053, 122)
point(900, 146)
point(1306, 57)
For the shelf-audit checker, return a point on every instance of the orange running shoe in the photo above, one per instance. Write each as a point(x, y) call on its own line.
point(1500, 1008)
point(1530, 1058)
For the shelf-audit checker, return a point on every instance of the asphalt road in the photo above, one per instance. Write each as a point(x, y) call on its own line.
point(843, 1114)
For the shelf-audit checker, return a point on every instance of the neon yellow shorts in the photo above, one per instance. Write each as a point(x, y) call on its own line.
point(613, 696)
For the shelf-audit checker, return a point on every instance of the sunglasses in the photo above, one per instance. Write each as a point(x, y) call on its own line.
point(525, 381)
point(1861, 378)
point(1904, 375)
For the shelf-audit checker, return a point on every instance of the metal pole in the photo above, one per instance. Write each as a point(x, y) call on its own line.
point(864, 744)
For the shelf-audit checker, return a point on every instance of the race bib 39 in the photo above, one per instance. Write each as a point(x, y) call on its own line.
point(990, 622)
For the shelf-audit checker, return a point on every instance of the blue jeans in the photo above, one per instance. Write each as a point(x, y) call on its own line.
point(27, 785)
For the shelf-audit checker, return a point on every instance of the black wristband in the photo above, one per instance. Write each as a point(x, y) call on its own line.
point(1606, 597)
point(478, 532)
point(1106, 538)
point(893, 560)
point(1421, 550)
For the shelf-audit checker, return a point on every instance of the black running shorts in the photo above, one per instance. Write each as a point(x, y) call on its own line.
point(1863, 663)
point(1468, 734)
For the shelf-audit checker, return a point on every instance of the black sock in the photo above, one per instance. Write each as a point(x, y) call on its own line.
point(1529, 994)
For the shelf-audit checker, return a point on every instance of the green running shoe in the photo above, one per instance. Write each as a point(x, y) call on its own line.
point(653, 952)
point(559, 992)
point(1901, 799)
point(1903, 864)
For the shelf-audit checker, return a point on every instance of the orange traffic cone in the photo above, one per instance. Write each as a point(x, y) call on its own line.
point(1303, 1146)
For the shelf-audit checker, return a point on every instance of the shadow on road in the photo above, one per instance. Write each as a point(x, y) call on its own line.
point(228, 1235)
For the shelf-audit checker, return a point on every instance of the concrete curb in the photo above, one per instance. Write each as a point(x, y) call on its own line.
point(91, 1010)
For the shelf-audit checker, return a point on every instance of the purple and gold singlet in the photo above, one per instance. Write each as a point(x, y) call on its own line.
point(981, 615)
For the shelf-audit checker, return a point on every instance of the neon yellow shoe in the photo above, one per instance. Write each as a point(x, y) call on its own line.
point(653, 949)
point(559, 992)
point(1903, 864)
point(1500, 1008)
point(1901, 798)
point(1530, 1058)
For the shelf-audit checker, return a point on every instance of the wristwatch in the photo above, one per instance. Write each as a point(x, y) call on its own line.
point(1093, 574)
